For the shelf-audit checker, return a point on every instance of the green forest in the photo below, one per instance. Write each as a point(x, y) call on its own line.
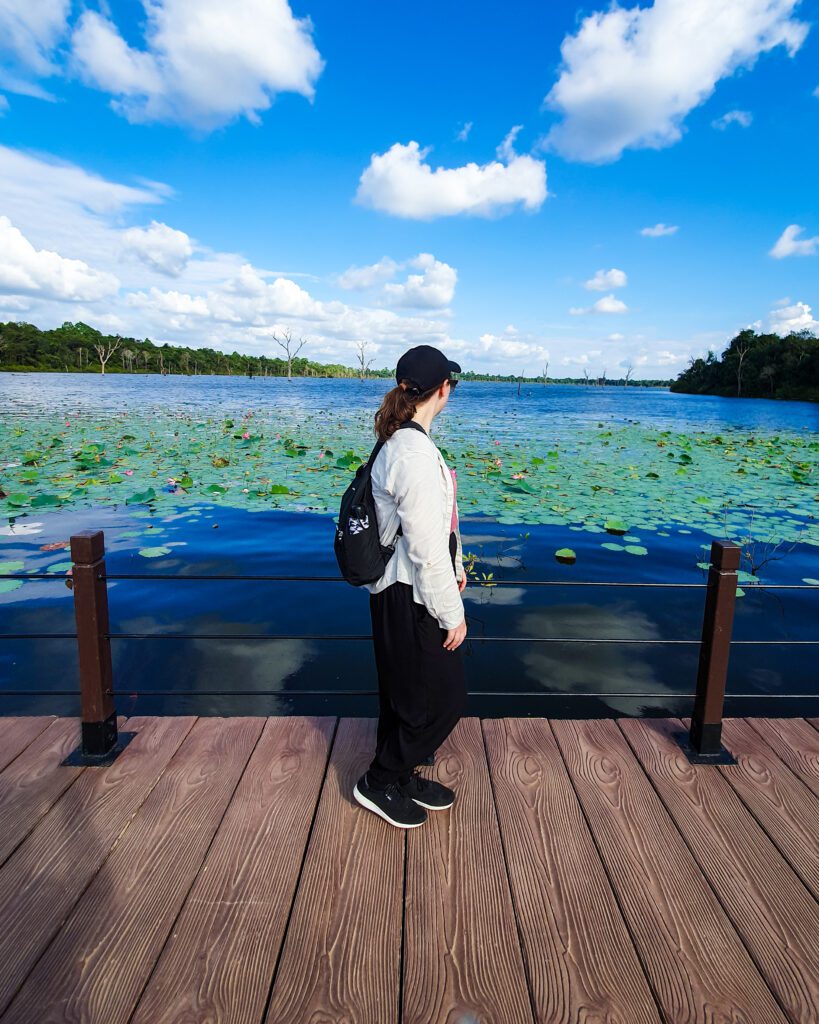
point(78, 348)
point(757, 366)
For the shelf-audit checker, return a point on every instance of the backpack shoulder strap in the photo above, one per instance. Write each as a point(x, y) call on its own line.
point(416, 426)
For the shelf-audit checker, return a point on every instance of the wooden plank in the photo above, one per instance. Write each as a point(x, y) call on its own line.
point(796, 743)
point(218, 963)
point(104, 954)
point(46, 876)
point(814, 722)
point(698, 967)
point(341, 955)
point(580, 960)
point(776, 917)
point(462, 955)
point(17, 733)
point(34, 781)
point(783, 805)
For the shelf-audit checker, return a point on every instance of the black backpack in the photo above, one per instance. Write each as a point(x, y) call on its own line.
point(360, 554)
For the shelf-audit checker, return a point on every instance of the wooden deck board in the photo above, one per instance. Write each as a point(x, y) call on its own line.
point(780, 802)
point(698, 967)
point(34, 781)
point(219, 961)
point(45, 877)
point(106, 950)
point(580, 961)
point(759, 892)
point(796, 743)
point(462, 955)
point(569, 884)
point(341, 955)
point(17, 733)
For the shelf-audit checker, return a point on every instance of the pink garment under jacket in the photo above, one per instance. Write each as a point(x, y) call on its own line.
point(454, 525)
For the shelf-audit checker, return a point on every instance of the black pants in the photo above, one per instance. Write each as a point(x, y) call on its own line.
point(421, 685)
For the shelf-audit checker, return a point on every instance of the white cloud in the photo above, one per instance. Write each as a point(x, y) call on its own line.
point(608, 304)
point(615, 337)
point(463, 133)
point(501, 348)
point(362, 278)
point(744, 118)
point(4, 105)
point(631, 75)
point(659, 230)
point(400, 182)
point(25, 270)
point(605, 279)
point(163, 249)
point(433, 288)
point(790, 319)
point(201, 68)
point(29, 33)
point(789, 245)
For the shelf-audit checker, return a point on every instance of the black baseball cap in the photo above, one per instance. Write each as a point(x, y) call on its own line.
point(425, 367)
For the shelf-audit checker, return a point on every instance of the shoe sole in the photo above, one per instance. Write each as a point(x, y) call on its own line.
point(359, 796)
point(432, 807)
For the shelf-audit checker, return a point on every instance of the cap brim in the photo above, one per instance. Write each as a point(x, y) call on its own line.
point(453, 367)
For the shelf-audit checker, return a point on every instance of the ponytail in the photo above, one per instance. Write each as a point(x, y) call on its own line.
point(397, 407)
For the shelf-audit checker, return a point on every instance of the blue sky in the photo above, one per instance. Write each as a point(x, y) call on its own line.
point(470, 176)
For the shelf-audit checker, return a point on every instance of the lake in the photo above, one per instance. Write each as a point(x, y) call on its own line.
point(232, 476)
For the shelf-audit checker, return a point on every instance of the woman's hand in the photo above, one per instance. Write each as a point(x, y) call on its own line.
point(462, 583)
point(455, 637)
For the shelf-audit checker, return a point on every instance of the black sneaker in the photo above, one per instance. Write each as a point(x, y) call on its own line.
point(390, 803)
point(427, 792)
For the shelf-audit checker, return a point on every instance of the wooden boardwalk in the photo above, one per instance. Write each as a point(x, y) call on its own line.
point(219, 871)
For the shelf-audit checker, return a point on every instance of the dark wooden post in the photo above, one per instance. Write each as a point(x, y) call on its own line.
point(100, 740)
point(705, 736)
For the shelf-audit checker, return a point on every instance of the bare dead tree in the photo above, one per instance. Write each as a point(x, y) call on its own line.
point(546, 373)
point(741, 351)
point(291, 350)
point(104, 352)
point(629, 371)
point(602, 380)
point(363, 363)
point(127, 357)
point(586, 374)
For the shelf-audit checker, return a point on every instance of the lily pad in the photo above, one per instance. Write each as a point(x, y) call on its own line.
point(566, 556)
point(154, 552)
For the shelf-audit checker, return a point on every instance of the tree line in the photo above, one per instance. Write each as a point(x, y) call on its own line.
point(757, 366)
point(78, 348)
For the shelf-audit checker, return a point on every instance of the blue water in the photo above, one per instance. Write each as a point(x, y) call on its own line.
point(337, 676)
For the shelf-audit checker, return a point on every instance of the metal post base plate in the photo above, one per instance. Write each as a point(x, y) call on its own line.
point(723, 756)
point(77, 759)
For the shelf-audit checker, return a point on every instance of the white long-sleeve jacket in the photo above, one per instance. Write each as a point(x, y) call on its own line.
point(412, 488)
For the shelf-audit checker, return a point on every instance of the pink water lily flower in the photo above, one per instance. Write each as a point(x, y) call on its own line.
point(517, 476)
point(171, 480)
point(497, 442)
point(246, 435)
point(498, 462)
point(129, 472)
point(321, 455)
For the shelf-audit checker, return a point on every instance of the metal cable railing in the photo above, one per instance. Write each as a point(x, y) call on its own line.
point(88, 579)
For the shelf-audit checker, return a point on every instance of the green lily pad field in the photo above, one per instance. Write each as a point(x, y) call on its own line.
point(623, 480)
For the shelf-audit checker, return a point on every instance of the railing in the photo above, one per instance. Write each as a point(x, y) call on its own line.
point(101, 740)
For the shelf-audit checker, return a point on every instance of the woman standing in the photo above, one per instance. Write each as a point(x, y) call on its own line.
point(416, 607)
